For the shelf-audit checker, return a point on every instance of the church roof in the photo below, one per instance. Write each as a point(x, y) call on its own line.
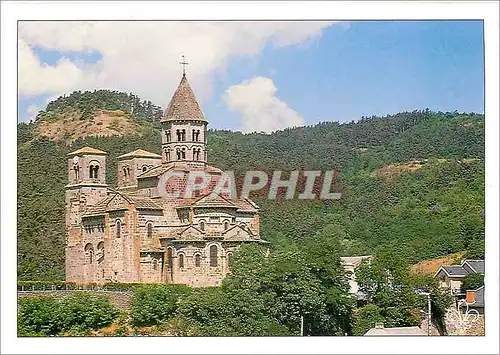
point(183, 105)
point(88, 150)
point(140, 202)
point(140, 153)
point(211, 199)
point(155, 171)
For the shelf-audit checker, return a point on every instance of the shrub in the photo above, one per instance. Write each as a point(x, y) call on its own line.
point(153, 304)
point(73, 316)
point(472, 282)
point(366, 317)
point(39, 316)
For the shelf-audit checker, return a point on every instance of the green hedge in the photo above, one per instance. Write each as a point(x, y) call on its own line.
point(75, 315)
point(63, 285)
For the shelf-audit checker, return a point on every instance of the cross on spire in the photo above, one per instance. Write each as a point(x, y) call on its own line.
point(183, 63)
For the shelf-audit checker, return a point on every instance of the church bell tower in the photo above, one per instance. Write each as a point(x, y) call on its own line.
point(184, 128)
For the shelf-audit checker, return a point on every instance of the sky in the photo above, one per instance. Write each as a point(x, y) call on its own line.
point(261, 76)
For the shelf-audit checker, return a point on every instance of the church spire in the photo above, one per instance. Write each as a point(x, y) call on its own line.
point(183, 106)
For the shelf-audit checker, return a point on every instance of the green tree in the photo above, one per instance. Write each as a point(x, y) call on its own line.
point(472, 282)
point(365, 318)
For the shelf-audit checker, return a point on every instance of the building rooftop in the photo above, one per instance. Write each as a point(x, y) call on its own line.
point(183, 105)
point(140, 153)
point(399, 331)
point(475, 265)
point(87, 150)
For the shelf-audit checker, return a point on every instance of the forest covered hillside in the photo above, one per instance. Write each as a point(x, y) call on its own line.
point(97, 113)
point(412, 183)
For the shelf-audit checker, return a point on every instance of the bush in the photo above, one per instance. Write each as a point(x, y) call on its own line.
point(472, 282)
point(75, 315)
point(153, 304)
point(218, 312)
point(366, 317)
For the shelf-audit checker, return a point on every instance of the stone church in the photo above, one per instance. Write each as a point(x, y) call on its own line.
point(132, 233)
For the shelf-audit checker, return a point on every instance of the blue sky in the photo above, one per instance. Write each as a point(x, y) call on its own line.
point(362, 69)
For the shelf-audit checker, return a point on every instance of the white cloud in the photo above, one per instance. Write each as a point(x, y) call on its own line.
point(31, 112)
point(259, 108)
point(142, 57)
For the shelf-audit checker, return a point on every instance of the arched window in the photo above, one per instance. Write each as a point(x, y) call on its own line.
point(213, 256)
point(118, 229)
point(181, 261)
point(168, 155)
point(183, 135)
point(144, 168)
point(89, 253)
point(75, 168)
point(178, 135)
point(229, 258)
point(178, 151)
point(100, 252)
point(155, 264)
point(226, 225)
point(169, 258)
point(197, 260)
point(150, 230)
point(183, 153)
point(167, 134)
point(202, 225)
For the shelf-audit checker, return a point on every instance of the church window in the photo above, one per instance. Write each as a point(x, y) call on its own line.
point(202, 225)
point(178, 135)
point(118, 229)
point(178, 154)
point(155, 264)
point(194, 135)
point(213, 256)
point(168, 155)
point(183, 135)
point(229, 258)
point(226, 225)
point(183, 153)
point(169, 258)
point(144, 168)
point(167, 134)
point(150, 230)
point(89, 253)
point(100, 252)
point(197, 260)
point(181, 261)
point(76, 172)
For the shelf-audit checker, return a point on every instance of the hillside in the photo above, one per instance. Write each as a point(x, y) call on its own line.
point(422, 213)
point(99, 113)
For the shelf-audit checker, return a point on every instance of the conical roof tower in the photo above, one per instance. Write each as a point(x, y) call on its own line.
point(184, 128)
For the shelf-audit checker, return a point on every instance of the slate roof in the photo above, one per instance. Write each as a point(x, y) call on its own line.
point(479, 297)
point(467, 267)
point(87, 150)
point(140, 153)
point(476, 265)
point(183, 105)
point(455, 270)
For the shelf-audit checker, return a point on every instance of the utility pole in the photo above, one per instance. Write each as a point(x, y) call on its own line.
point(429, 314)
point(301, 326)
point(428, 294)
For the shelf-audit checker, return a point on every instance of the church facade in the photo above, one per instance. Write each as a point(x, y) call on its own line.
point(133, 233)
